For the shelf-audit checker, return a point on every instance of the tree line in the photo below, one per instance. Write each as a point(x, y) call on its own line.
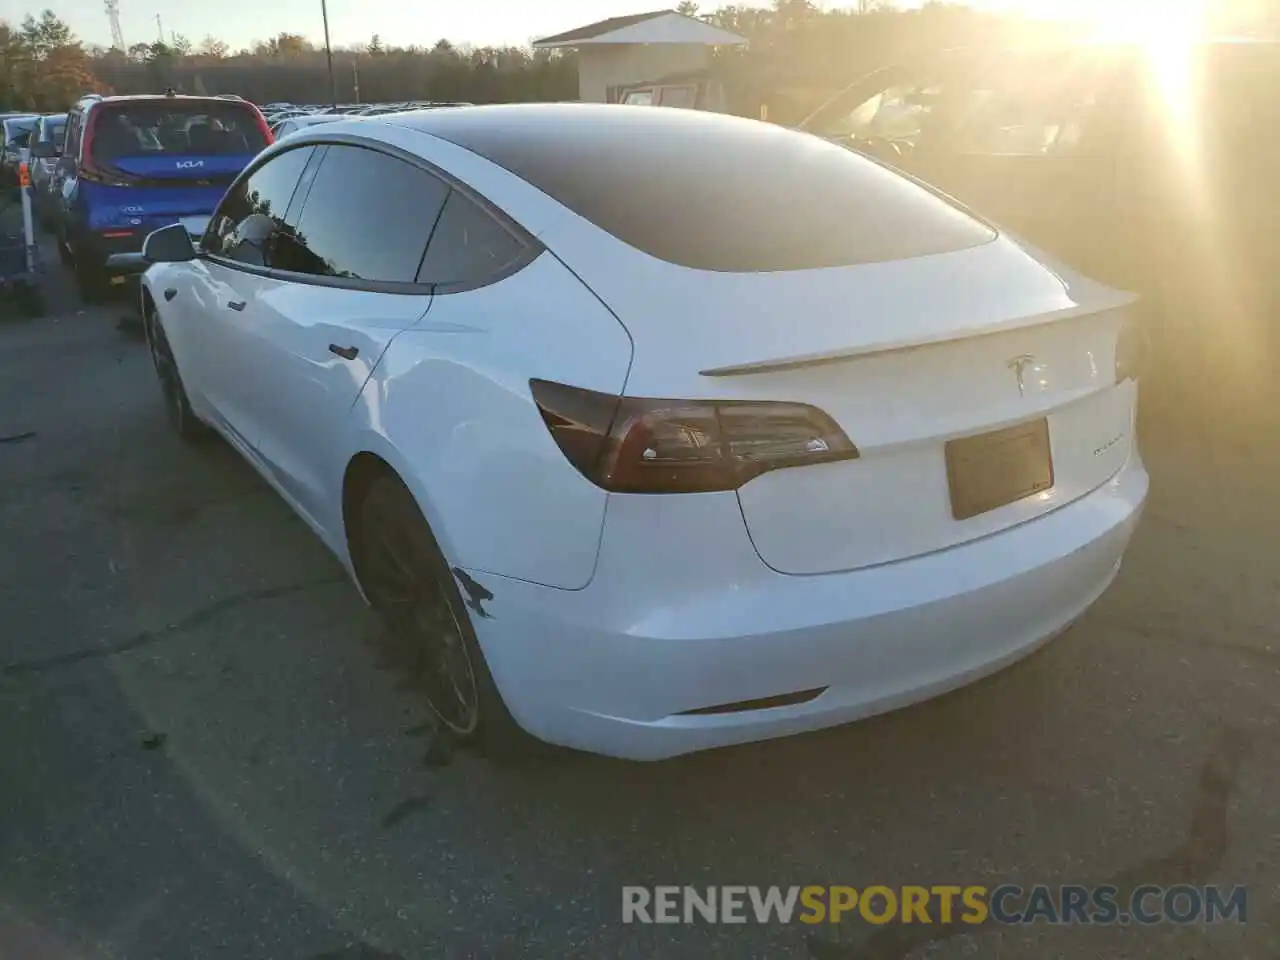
point(797, 54)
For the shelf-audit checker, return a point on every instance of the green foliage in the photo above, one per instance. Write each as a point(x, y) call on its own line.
point(42, 65)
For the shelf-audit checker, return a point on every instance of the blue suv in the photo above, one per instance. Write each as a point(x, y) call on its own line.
point(133, 164)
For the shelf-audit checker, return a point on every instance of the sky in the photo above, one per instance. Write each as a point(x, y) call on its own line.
point(240, 22)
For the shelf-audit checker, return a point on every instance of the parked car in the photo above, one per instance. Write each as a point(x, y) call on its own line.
point(1148, 167)
point(754, 446)
point(15, 132)
point(51, 129)
point(132, 164)
point(294, 124)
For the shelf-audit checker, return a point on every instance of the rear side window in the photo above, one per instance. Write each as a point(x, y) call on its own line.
point(205, 128)
point(718, 193)
point(468, 246)
point(367, 216)
point(247, 222)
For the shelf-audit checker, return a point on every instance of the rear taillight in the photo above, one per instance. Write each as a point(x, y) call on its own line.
point(89, 170)
point(639, 445)
point(1130, 348)
point(263, 125)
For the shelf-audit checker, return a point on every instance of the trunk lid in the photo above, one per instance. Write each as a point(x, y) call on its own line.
point(908, 357)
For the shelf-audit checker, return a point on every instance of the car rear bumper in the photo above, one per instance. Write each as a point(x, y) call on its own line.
point(682, 615)
point(98, 246)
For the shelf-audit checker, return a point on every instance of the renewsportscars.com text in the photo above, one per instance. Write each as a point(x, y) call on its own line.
point(1065, 904)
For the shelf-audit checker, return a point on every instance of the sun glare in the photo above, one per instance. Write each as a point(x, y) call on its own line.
point(1159, 23)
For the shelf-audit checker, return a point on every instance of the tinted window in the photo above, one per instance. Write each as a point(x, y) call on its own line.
point(245, 224)
point(71, 146)
point(1046, 106)
point(713, 192)
point(468, 245)
point(179, 127)
point(56, 132)
point(367, 216)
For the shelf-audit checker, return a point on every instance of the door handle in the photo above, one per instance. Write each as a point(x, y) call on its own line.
point(236, 304)
point(170, 293)
point(346, 353)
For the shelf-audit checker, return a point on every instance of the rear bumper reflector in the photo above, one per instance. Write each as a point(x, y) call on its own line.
point(764, 703)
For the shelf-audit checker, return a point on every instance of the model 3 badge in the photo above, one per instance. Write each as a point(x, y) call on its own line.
point(1019, 367)
point(189, 164)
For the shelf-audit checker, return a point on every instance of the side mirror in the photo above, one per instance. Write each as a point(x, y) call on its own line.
point(44, 150)
point(123, 264)
point(171, 244)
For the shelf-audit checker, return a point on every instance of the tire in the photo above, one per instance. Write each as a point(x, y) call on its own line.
point(415, 593)
point(182, 418)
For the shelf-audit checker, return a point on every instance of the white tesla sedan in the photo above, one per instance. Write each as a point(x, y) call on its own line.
point(657, 430)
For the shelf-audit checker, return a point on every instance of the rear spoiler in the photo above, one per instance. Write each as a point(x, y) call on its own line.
point(1117, 301)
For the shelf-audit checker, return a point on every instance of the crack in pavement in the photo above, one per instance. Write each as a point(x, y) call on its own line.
point(1192, 862)
point(148, 637)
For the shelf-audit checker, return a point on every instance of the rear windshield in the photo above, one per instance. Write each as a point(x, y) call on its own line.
point(158, 128)
point(715, 193)
point(19, 128)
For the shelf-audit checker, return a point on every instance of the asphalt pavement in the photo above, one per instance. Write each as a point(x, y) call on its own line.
point(205, 752)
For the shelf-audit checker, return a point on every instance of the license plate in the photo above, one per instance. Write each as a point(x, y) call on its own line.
point(998, 468)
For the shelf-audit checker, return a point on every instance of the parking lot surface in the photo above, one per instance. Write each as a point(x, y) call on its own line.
point(205, 751)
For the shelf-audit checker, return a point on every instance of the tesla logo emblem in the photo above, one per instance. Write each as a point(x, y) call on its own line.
point(190, 164)
point(1019, 367)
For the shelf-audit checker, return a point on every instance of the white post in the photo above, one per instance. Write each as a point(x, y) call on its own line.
point(28, 228)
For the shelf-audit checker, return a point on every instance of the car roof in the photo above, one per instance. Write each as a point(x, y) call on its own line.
point(164, 96)
point(588, 132)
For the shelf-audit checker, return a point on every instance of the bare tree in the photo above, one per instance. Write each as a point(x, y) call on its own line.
point(213, 48)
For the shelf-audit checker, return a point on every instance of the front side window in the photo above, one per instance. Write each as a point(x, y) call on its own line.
point(246, 222)
point(71, 146)
point(366, 216)
point(1034, 107)
point(1030, 105)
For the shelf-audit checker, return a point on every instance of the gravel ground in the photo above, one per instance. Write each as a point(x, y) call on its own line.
point(204, 755)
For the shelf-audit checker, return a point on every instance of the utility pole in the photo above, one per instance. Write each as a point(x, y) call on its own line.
point(328, 52)
point(160, 29)
point(355, 78)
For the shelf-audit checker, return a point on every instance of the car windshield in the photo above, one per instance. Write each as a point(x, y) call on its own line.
point(202, 128)
point(56, 131)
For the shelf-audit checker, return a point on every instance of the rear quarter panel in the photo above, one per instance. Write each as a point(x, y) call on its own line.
point(450, 408)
